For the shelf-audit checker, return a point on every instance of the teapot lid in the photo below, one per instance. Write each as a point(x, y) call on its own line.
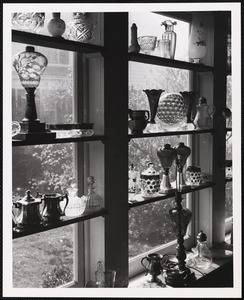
point(28, 199)
point(150, 171)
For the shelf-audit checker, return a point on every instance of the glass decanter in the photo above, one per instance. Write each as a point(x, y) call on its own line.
point(94, 201)
point(202, 256)
point(76, 206)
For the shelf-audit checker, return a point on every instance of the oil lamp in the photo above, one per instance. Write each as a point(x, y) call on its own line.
point(183, 152)
point(29, 65)
point(166, 156)
point(180, 218)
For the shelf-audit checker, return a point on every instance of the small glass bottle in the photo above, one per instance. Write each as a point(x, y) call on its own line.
point(94, 201)
point(202, 256)
point(133, 179)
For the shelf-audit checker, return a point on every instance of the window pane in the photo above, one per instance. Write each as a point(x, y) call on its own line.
point(44, 259)
point(148, 225)
point(45, 169)
point(149, 24)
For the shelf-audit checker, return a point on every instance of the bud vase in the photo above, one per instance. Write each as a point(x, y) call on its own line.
point(153, 98)
point(56, 26)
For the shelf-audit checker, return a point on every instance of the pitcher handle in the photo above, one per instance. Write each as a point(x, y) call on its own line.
point(213, 111)
point(67, 201)
point(147, 115)
point(144, 265)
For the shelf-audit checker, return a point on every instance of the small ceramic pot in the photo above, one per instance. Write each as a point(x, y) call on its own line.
point(193, 175)
point(56, 26)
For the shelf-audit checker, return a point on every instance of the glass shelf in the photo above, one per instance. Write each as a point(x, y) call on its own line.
point(189, 189)
point(59, 140)
point(52, 42)
point(169, 133)
point(62, 222)
point(166, 62)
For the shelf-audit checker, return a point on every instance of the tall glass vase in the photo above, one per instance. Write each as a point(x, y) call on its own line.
point(189, 98)
point(153, 98)
point(169, 39)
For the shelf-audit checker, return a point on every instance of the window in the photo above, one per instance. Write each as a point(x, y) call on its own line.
point(149, 227)
point(45, 169)
point(95, 87)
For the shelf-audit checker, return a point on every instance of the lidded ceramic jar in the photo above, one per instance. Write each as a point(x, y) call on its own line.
point(150, 181)
point(171, 111)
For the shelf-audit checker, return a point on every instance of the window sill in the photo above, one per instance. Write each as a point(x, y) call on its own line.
point(219, 267)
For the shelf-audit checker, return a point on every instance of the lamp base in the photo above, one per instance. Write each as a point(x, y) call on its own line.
point(34, 131)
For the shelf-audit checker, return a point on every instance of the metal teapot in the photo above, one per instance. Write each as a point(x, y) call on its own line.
point(155, 266)
point(29, 215)
point(203, 118)
point(52, 211)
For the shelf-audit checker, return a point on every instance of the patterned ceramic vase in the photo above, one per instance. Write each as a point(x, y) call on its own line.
point(150, 181)
point(171, 111)
point(80, 28)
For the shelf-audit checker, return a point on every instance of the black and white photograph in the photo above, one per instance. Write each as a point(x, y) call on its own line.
point(123, 168)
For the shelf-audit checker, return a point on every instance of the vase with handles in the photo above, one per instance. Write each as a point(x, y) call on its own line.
point(138, 120)
point(154, 266)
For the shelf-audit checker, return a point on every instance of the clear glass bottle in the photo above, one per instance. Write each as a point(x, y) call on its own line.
point(133, 179)
point(94, 201)
point(202, 256)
